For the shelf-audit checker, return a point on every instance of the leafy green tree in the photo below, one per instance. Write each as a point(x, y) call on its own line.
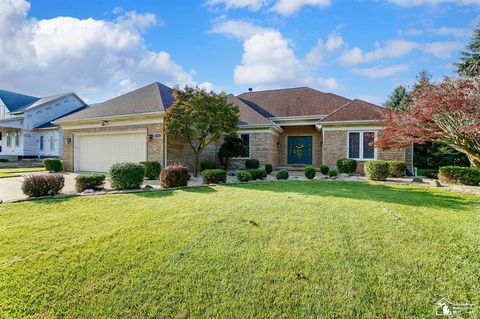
point(424, 80)
point(399, 99)
point(200, 117)
point(469, 64)
point(232, 146)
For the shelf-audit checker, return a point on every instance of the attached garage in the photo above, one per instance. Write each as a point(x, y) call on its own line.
point(98, 152)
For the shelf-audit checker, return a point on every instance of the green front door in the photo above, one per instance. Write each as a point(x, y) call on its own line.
point(300, 150)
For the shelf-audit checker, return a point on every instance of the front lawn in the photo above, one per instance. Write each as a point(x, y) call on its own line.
point(271, 250)
point(14, 172)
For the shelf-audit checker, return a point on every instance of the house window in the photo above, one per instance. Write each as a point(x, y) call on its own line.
point(41, 143)
point(9, 139)
point(246, 141)
point(52, 143)
point(359, 145)
point(17, 139)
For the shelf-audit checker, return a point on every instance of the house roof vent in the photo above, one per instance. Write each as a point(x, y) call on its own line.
point(250, 89)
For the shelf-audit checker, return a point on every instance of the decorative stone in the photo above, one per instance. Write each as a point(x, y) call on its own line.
point(333, 177)
point(435, 183)
point(148, 187)
point(88, 192)
point(417, 180)
point(344, 175)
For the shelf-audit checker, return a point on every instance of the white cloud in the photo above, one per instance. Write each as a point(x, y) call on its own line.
point(381, 72)
point(456, 32)
point(289, 7)
point(239, 29)
point(268, 61)
point(91, 56)
point(412, 3)
point(253, 5)
point(333, 43)
point(391, 49)
point(442, 50)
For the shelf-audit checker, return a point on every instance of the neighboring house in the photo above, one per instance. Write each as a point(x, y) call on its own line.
point(286, 127)
point(26, 128)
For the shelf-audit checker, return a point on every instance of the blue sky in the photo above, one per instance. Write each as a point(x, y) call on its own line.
point(100, 49)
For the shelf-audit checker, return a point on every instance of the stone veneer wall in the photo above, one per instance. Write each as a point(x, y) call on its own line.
point(335, 148)
point(154, 148)
point(300, 131)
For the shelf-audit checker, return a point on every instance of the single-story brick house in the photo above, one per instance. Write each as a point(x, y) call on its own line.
point(285, 127)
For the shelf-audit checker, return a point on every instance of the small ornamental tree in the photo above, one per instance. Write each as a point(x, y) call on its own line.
point(447, 112)
point(232, 146)
point(200, 117)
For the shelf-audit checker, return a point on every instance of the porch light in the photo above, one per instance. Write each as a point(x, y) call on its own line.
point(278, 144)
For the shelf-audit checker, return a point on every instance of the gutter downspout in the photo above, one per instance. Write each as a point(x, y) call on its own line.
point(165, 155)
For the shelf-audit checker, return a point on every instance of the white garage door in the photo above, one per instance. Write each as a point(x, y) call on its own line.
point(96, 153)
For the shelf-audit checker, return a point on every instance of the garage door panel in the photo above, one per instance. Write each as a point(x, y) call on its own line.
point(99, 152)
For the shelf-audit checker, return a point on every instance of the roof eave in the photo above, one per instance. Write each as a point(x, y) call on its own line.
point(109, 117)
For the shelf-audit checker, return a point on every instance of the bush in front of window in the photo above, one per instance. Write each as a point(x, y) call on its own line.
point(257, 173)
point(347, 165)
point(252, 163)
point(4, 160)
point(43, 185)
point(243, 176)
point(333, 173)
point(324, 169)
point(310, 171)
point(268, 168)
point(127, 175)
point(174, 176)
point(214, 176)
point(89, 181)
point(459, 175)
point(282, 174)
point(206, 164)
point(152, 169)
point(376, 170)
point(397, 168)
point(53, 165)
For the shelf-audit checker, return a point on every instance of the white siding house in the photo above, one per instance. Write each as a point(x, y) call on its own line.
point(26, 128)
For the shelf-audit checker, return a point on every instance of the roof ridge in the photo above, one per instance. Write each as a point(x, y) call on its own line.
point(283, 89)
point(339, 109)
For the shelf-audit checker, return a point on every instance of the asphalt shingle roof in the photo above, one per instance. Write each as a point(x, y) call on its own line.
point(248, 115)
point(356, 110)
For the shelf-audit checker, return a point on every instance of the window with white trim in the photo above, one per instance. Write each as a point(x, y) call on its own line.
point(41, 142)
point(9, 139)
point(246, 141)
point(17, 139)
point(359, 145)
point(52, 142)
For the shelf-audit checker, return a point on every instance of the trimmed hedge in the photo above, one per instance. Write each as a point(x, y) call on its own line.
point(347, 165)
point(53, 165)
point(324, 169)
point(243, 176)
point(459, 175)
point(214, 176)
point(4, 160)
point(208, 165)
point(252, 163)
point(127, 175)
point(397, 168)
point(376, 170)
point(152, 169)
point(43, 185)
point(268, 168)
point(174, 176)
point(89, 181)
point(282, 174)
point(310, 171)
point(333, 172)
point(257, 173)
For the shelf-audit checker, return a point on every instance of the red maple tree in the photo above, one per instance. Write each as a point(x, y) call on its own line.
point(447, 112)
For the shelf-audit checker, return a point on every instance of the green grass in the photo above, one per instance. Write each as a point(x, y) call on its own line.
point(366, 251)
point(14, 172)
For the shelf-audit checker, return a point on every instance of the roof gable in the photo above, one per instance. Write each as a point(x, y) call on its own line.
point(356, 110)
point(302, 101)
point(16, 101)
point(248, 115)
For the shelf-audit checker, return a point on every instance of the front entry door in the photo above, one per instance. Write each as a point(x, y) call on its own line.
point(300, 150)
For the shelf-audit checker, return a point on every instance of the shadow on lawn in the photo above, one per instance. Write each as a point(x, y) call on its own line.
point(402, 195)
point(164, 193)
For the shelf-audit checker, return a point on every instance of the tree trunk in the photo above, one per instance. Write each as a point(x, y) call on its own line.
point(474, 160)
point(195, 164)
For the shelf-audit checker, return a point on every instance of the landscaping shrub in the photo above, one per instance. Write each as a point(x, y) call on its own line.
point(53, 165)
point(257, 173)
point(346, 165)
point(282, 174)
point(397, 168)
point(4, 160)
point(310, 171)
point(152, 169)
point(244, 176)
point(428, 172)
point(268, 168)
point(333, 172)
point(43, 185)
point(459, 175)
point(127, 175)
point(252, 164)
point(208, 165)
point(174, 176)
point(376, 170)
point(89, 181)
point(324, 169)
point(214, 176)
